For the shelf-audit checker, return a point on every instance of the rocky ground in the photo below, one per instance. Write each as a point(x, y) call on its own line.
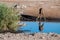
point(24, 36)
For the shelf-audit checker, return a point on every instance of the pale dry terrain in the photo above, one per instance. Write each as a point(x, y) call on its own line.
point(51, 8)
point(24, 36)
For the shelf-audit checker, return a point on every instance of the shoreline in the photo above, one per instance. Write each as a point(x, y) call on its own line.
point(24, 36)
point(33, 18)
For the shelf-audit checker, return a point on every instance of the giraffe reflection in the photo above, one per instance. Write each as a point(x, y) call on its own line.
point(40, 17)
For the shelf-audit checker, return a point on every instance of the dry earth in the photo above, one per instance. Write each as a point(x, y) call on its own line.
point(24, 36)
point(51, 8)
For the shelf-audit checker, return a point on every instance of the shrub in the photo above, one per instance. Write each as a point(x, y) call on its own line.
point(8, 18)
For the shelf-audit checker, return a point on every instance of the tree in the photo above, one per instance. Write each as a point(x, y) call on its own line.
point(8, 18)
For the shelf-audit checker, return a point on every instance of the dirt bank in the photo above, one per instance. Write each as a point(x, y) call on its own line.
point(22, 36)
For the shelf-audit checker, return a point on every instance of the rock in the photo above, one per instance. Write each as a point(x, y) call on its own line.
point(31, 34)
point(41, 37)
point(1, 38)
point(53, 34)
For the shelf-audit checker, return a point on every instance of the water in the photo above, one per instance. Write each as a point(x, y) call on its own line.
point(32, 27)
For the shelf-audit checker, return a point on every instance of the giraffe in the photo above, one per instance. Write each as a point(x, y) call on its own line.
point(39, 19)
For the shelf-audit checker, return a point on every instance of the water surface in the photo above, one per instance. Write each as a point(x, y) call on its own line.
point(32, 27)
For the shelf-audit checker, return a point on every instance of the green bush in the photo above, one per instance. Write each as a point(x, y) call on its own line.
point(8, 18)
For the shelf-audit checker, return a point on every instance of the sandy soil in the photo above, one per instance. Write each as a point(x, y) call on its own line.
point(24, 36)
point(51, 8)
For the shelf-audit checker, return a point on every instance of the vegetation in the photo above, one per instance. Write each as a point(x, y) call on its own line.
point(8, 18)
